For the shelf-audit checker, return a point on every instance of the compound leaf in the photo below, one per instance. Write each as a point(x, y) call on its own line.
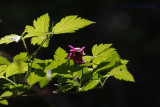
point(70, 24)
point(39, 28)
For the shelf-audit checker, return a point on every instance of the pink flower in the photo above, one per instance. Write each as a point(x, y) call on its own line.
point(76, 54)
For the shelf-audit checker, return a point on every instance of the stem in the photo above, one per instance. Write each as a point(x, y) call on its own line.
point(10, 80)
point(32, 57)
point(106, 79)
point(25, 46)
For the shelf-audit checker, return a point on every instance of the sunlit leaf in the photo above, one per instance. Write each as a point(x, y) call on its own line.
point(9, 39)
point(121, 73)
point(90, 85)
point(70, 24)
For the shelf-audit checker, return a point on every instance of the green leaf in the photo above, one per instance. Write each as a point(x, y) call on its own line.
point(39, 28)
point(20, 57)
point(18, 89)
point(97, 49)
point(18, 66)
point(70, 24)
point(121, 73)
point(102, 53)
point(35, 76)
point(2, 70)
point(38, 41)
point(6, 94)
point(3, 102)
point(102, 66)
point(67, 87)
point(69, 84)
point(41, 64)
point(60, 56)
point(63, 71)
point(90, 85)
point(43, 82)
point(87, 58)
point(87, 73)
point(3, 61)
point(9, 39)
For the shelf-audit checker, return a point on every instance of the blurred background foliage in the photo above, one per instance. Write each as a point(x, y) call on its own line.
point(131, 25)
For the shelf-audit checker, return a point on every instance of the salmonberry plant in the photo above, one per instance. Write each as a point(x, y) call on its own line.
point(73, 72)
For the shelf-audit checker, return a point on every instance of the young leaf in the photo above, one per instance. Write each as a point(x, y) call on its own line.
point(70, 24)
point(121, 73)
point(9, 39)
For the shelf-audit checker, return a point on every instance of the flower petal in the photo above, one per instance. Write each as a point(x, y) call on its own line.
point(82, 49)
point(70, 54)
point(72, 48)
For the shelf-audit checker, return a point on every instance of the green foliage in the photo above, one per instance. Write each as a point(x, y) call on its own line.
point(39, 28)
point(27, 70)
point(35, 77)
point(97, 49)
point(70, 24)
point(2, 70)
point(3, 61)
point(102, 53)
point(90, 85)
point(9, 39)
point(5, 94)
point(121, 73)
point(18, 66)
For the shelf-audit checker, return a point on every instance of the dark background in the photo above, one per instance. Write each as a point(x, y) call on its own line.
point(132, 26)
